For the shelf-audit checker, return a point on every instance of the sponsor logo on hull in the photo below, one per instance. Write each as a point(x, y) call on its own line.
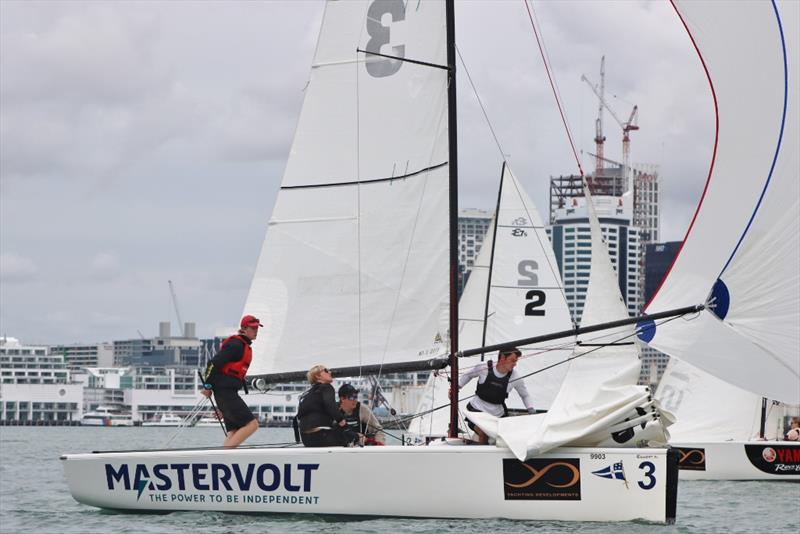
point(691, 459)
point(214, 482)
point(537, 479)
point(775, 459)
point(615, 471)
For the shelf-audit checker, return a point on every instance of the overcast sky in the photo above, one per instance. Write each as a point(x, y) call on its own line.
point(143, 142)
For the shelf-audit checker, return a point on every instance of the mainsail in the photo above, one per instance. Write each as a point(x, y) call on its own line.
point(517, 272)
point(741, 250)
point(354, 267)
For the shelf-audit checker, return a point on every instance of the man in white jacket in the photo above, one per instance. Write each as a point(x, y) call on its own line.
point(494, 384)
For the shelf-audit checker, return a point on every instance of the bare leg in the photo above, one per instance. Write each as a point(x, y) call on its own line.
point(236, 437)
point(483, 439)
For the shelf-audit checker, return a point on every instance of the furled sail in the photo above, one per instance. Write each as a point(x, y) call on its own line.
point(741, 250)
point(599, 403)
point(354, 266)
point(525, 298)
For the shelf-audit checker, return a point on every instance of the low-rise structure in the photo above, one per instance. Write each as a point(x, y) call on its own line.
point(36, 386)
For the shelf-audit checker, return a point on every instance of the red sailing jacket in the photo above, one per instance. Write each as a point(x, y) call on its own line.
point(238, 369)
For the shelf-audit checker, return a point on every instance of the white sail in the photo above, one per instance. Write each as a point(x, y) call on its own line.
point(706, 409)
point(743, 241)
point(526, 299)
point(352, 269)
point(599, 394)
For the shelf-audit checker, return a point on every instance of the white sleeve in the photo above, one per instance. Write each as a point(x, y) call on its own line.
point(519, 385)
point(472, 373)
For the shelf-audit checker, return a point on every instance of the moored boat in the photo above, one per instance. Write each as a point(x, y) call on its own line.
point(107, 416)
point(165, 419)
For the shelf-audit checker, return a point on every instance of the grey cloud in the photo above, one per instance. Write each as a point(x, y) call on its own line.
point(104, 266)
point(17, 269)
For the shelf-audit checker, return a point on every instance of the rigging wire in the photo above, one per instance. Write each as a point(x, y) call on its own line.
point(574, 357)
point(480, 103)
point(186, 421)
point(547, 68)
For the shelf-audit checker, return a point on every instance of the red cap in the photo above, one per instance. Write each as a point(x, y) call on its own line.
point(249, 320)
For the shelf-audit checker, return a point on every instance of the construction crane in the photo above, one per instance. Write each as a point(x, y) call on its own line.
point(599, 138)
point(175, 304)
point(627, 127)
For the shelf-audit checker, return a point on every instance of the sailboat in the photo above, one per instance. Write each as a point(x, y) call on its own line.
point(740, 253)
point(354, 273)
point(514, 290)
point(599, 402)
point(721, 431)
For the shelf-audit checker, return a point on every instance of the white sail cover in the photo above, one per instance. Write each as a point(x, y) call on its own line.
point(354, 266)
point(745, 232)
point(708, 409)
point(599, 392)
point(526, 299)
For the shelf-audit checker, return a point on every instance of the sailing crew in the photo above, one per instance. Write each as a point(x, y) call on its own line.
point(359, 417)
point(224, 377)
point(494, 384)
point(321, 422)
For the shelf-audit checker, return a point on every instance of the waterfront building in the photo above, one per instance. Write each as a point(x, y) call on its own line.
point(81, 355)
point(103, 386)
point(36, 386)
point(164, 350)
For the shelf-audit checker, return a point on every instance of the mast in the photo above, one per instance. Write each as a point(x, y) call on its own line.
point(491, 256)
point(453, 168)
point(763, 428)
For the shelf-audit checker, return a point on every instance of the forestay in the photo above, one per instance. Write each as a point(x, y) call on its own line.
point(525, 298)
point(599, 400)
point(354, 266)
point(743, 240)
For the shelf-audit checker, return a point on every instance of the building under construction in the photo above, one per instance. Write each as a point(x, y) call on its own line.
point(646, 194)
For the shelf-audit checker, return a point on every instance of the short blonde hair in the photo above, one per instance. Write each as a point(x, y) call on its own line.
point(313, 373)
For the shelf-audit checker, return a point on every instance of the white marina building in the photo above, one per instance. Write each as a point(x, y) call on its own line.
point(36, 386)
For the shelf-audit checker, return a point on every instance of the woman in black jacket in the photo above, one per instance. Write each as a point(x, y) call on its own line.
point(322, 423)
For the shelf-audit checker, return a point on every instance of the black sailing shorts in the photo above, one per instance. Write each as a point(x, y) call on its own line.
point(234, 410)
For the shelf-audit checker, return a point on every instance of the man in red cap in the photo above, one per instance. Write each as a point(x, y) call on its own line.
point(225, 376)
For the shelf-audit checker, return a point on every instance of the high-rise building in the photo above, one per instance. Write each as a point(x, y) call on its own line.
point(657, 259)
point(472, 227)
point(570, 234)
point(647, 202)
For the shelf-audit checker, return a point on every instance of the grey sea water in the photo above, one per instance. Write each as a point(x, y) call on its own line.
point(34, 496)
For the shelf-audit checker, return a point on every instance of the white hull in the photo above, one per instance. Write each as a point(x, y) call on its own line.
point(108, 421)
point(165, 420)
point(206, 422)
point(477, 481)
point(739, 460)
